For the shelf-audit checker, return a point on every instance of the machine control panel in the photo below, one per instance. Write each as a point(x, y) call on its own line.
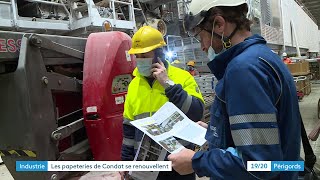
point(120, 83)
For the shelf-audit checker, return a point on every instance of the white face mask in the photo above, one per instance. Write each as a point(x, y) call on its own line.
point(144, 66)
point(211, 52)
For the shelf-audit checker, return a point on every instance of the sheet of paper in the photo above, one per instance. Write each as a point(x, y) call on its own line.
point(193, 133)
point(148, 150)
point(170, 122)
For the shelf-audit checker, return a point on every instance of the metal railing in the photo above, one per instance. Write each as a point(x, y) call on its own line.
point(75, 15)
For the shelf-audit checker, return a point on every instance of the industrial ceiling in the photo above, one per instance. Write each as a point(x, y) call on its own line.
point(313, 6)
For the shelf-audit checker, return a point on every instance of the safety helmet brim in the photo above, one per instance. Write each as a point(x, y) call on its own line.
point(146, 49)
point(190, 21)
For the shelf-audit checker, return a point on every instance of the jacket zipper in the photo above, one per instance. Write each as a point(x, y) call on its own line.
point(151, 87)
point(150, 112)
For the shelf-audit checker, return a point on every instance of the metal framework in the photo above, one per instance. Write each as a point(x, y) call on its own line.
point(76, 16)
point(30, 102)
point(187, 49)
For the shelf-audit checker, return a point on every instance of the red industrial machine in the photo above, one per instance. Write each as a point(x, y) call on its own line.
point(107, 73)
point(62, 98)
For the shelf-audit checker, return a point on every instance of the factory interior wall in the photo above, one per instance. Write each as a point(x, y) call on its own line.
point(306, 29)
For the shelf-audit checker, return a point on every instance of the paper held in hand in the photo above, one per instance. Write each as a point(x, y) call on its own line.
point(148, 150)
point(168, 124)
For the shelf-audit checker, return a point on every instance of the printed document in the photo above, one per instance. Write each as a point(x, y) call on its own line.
point(148, 150)
point(168, 124)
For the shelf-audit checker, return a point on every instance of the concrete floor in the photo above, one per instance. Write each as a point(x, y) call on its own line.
point(308, 109)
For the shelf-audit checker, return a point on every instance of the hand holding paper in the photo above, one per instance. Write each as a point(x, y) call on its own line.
point(203, 124)
point(182, 161)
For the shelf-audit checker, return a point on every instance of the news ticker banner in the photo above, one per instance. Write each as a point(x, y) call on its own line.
point(93, 166)
point(142, 166)
point(275, 165)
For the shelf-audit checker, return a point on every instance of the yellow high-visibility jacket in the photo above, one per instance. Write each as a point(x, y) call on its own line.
point(143, 100)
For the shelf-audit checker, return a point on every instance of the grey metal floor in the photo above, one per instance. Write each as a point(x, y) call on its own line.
point(308, 108)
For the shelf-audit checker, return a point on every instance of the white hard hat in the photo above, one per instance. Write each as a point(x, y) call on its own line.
point(284, 54)
point(198, 10)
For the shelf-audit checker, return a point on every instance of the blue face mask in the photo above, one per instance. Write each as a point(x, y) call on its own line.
point(144, 66)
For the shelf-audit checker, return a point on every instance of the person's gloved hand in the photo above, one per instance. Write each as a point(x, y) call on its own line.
point(159, 72)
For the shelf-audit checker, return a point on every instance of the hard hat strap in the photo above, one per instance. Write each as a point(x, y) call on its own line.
point(227, 39)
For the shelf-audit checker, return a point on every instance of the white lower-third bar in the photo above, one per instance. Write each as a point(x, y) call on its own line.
point(258, 165)
point(109, 166)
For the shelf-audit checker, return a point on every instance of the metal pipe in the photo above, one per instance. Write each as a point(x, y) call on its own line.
point(74, 112)
point(131, 11)
point(46, 2)
point(2, 2)
point(90, 10)
point(120, 2)
point(295, 38)
point(14, 12)
point(144, 17)
point(114, 12)
point(65, 8)
point(282, 22)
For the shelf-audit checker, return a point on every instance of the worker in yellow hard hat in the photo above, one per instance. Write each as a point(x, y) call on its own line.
point(191, 63)
point(191, 68)
point(156, 82)
point(176, 62)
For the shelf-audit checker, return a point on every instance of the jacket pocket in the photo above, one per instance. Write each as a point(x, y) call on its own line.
point(216, 129)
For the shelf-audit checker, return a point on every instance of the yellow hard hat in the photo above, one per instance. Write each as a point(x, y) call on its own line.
point(191, 63)
point(176, 62)
point(145, 40)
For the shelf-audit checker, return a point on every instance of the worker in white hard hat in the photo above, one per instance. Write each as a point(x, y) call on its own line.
point(286, 59)
point(255, 115)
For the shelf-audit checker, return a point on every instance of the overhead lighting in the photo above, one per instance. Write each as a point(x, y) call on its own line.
point(169, 54)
